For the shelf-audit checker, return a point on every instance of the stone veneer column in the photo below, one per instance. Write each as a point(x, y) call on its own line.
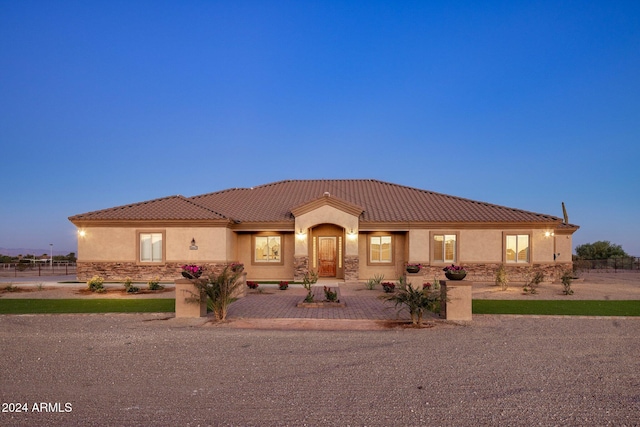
point(300, 266)
point(351, 268)
point(457, 305)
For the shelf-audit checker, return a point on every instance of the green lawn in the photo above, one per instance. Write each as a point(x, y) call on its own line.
point(529, 307)
point(558, 307)
point(40, 306)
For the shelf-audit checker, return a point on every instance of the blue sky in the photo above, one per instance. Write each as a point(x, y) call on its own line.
point(522, 104)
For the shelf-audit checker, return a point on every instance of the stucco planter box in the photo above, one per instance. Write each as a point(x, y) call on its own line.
point(459, 296)
point(188, 302)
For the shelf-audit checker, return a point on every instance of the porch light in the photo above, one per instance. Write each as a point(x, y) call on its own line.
point(193, 246)
point(549, 233)
point(301, 234)
point(82, 233)
point(352, 234)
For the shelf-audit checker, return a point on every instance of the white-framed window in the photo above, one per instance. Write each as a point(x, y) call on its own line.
point(380, 249)
point(268, 249)
point(517, 248)
point(150, 247)
point(444, 248)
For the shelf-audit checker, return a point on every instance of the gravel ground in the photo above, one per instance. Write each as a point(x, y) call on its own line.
point(153, 369)
point(145, 369)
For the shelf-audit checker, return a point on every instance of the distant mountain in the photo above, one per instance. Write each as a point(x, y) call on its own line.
point(37, 252)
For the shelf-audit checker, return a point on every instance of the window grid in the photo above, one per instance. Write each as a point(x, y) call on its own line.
point(444, 247)
point(517, 248)
point(380, 249)
point(150, 247)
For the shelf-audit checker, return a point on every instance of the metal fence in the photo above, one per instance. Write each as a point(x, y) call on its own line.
point(622, 263)
point(37, 269)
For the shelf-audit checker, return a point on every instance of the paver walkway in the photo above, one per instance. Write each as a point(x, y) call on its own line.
point(272, 303)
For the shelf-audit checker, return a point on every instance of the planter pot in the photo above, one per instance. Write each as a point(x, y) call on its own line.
point(190, 276)
point(413, 269)
point(455, 276)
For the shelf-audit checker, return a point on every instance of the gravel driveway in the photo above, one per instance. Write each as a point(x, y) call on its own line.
point(135, 369)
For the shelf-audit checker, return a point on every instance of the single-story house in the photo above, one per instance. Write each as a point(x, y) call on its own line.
point(351, 229)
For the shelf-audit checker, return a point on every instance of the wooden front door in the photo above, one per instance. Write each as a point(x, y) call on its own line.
point(326, 256)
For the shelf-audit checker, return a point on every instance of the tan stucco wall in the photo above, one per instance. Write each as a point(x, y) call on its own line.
point(120, 244)
point(484, 246)
point(487, 246)
point(212, 244)
point(263, 271)
point(418, 246)
point(564, 246)
point(107, 244)
point(326, 215)
point(392, 271)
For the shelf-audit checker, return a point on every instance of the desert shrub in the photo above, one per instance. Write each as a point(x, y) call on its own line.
point(534, 279)
point(567, 278)
point(416, 301)
point(307, 281)
point(154, 284)
point(128, 286)
point(11, 288)
point(501, 278)
point(96, 284)
point(388, 287)
point(373, 283)
point(329, 295)
point(219, 290)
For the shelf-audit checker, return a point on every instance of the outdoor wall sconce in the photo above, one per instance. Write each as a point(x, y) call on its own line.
point(193, 246)
point(301, 234)
point(352, 234)
point(549, 233)
point(82, 233)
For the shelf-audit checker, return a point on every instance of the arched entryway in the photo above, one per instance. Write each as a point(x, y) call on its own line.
point(327, 249)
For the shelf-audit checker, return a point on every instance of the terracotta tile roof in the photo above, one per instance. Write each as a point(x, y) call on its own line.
point(166, 208)
point(381, 202)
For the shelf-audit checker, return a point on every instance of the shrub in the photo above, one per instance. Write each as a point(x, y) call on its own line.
point(533, 281)
point(128, 286)
point(307, 281)
point(11, 288)
point(283, 285)
point(154, 284)
point(567, 278)
point(372, 283)
point(96, 284)
point(501, 277)
point(329, 295)
point(252, 285)
point(219, 290)
point(416, 301)
point(388, 287)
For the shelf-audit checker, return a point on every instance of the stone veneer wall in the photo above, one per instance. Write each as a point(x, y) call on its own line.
point(119, 271)
point(300, 267)
point(351, 268)
point(487, 272)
